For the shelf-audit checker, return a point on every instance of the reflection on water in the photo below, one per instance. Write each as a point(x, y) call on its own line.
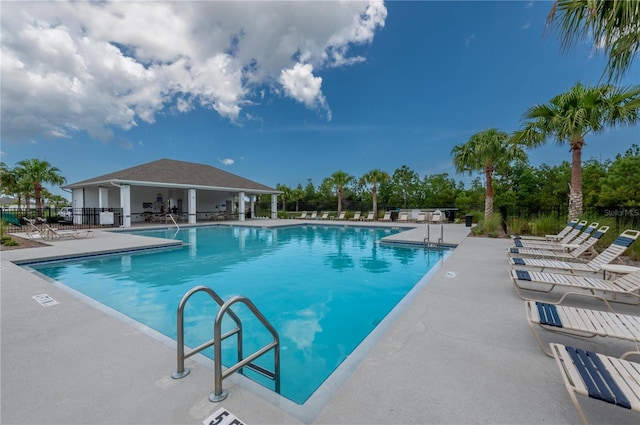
point(324, 289)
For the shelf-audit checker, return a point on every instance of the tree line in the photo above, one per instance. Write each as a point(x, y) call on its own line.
point(26, 181)
point(524, 189)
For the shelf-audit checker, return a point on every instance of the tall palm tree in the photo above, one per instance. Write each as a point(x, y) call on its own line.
point(35, 172)
point(297, 195)
point(339, 180)
point(613, 26)
point(286, 194)
point(484, 151)
point(12, 184)
point(570, 116)
point(374, 178)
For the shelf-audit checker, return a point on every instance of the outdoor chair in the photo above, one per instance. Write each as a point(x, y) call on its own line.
point(570, 251)
point(581, 322)
point(555, 237)
point(617, 248)
point(626, 285)
point(571, 237)
point(614, 380)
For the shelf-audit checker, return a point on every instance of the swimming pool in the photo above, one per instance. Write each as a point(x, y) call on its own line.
point(324, 289)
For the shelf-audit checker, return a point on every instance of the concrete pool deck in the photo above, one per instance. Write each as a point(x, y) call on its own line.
point(460, 352)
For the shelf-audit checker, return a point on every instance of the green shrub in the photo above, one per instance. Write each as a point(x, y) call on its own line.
point(545, 225)
point(7, 241)
point(494, 223)
point(491, 227)
point(519, 226)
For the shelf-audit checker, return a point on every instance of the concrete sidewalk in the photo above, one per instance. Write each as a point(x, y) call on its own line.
point(459, 352)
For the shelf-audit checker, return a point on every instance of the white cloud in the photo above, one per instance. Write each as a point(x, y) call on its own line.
point(226, 161)
point(300, 84)
point(468, 40)
point(95, 66)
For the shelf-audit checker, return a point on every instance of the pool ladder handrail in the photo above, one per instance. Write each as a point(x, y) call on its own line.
point(172, 219)
point(427, 236)
point(219, 393)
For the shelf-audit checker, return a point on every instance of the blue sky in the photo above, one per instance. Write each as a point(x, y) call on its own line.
point(281, 92)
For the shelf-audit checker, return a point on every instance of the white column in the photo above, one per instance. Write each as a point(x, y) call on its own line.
point(192, 206)
point(125, 202)
point(274, 206)
point(241, 206)
point(77, 202)
point(103, 197)
point(252, 205)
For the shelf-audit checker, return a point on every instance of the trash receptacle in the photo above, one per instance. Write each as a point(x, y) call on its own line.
point(468, 219)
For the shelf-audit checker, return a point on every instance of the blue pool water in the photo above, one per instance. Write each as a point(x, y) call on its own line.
point(323, 288)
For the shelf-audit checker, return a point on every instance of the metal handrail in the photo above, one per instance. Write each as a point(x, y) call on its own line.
point(219, 393)
point(427, 235)
point(172, 219)
point(181, 372)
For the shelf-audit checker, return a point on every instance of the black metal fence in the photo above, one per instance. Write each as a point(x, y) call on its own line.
point(65, 218)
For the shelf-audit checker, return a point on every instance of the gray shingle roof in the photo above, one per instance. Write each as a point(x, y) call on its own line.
point(172, 172)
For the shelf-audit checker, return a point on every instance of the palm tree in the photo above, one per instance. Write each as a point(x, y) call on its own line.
point(484, 152)
point(338, 181)
point(569, 117)
point(286, 194)
point(375, 177)
point(12, 184)
point(297, 195)
point(613, 25)
point(35, 172)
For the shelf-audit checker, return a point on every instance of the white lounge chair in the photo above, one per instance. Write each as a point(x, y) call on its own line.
point(303, 216)
point(403, 217)
point(314, 215)
point(342, 215)
point(422, 218)
point(614, 380)
point(51, 233)
point(581, 322)
point(324, 216)
point(386, 217)
point(617, 248)
point(570, 252)
point(571, 237)
point(555, 237)
point(369, 216)
point(437, 216)
point(628, 285)
point(32, 231)
point(356, 216)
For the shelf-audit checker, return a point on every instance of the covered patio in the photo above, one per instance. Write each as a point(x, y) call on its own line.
point(168, 190)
